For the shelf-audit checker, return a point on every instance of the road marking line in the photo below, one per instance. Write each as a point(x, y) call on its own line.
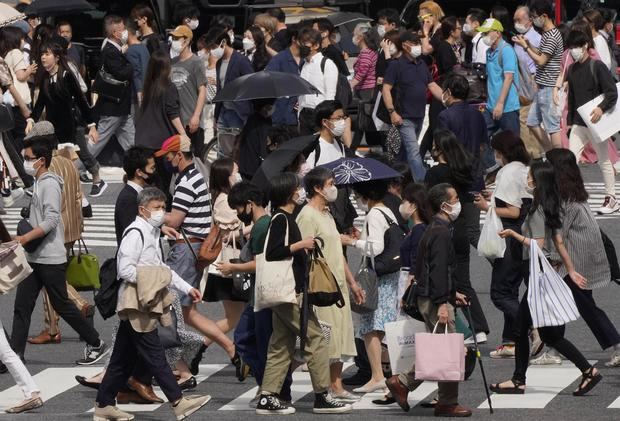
point(414, 397)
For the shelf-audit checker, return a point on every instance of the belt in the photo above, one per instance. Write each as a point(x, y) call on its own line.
point(190, 239)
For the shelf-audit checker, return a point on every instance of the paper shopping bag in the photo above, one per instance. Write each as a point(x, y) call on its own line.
point(400, 340)
point(439, 356)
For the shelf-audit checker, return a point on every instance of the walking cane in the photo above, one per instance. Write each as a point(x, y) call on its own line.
point(484, 377)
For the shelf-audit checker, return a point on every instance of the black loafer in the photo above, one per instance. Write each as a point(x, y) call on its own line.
point(386, 400)
point(82, 380)
point(189, 384)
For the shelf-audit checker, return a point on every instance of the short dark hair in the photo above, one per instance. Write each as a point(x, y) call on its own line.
point(215, 35)
point(477, 15)
point(416, 194)
point(390, 15)
point(136, 158)
point(448, 25)
point(223, 20)
point(595, 18)
point(577, 39)
point(283, 187)
point(309, 34)
point(542, 7)
point(277, 13)
point(185, 10)
point(317, 177)
point(437, 195)
point(142, 10)
point(371, 190)
point(409, 36)
point(324, 24)
point(609, 15)
point(325, 109)
point(63, 23)
point(242, 193)
point(40, 149)
point(458, 86)
point(510, 146)
point(10, 39)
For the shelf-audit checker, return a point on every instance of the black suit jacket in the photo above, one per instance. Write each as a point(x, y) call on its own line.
point(115, 63)
point(238, 66)
point(125, 210)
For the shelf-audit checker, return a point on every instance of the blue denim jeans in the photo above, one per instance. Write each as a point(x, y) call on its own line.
point(508, 121)
point(409, 133)
point(543, 111)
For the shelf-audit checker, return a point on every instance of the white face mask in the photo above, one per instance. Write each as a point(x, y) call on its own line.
point(337, 37)
point(338, 129)
point(231, 35)
point(176, 46)
point(381, 30)
point(330, 193)
point(529, 189)
point(193, 24)
point(248, 44)
point(487, 40)
point(393, 50)
point(467, 28)
point(444, 98)
point(157, 218)
point(361, 205)
point(124, 37)
point(455, 211)
point(301, 197)
point(218, 52)
point(405, 210)
point(203, 54)
point(576, 53)
point(235, 179)
point(355, 41)
point(415, 51)
point(520, 28)
point(29, 168)
point(539, 22)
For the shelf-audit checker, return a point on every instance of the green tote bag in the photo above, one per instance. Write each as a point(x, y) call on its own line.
point(83, 269)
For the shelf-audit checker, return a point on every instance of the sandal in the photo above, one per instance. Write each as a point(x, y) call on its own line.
point(588, 381)
point(516, 390)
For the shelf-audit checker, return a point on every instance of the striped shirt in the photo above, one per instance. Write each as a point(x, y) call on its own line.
point(552, 45)
point(191, 196)
point(364, 69)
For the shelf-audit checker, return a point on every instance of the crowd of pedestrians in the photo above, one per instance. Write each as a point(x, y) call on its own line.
point(503, 131)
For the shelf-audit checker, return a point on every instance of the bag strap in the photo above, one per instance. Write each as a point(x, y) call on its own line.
point(127, 232)
point(189, 245)
point(269, 231)
point(390, 221)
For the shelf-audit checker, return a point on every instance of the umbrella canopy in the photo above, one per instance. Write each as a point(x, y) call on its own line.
point(278, 160)
point(346, 22)
point(8, 15)
point(57, 7)
point(359, 170)
point(265, 84)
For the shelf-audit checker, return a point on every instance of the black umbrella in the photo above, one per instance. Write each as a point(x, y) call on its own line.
point(265, 84)
point(57, 7)
point(346, 22)
point(278, 160)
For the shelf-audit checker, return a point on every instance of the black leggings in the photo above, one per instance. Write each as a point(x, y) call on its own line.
point(552, 336)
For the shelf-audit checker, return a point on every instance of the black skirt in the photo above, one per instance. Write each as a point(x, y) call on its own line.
point(219, 288)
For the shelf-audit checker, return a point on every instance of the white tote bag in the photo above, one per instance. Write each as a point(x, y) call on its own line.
point(550, 300)
point(275, 282)
point(14, 267)
point(490, 244)
point(400, 341)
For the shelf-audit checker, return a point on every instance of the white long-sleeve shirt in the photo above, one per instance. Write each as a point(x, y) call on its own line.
point(326, 83)
point(133, 253)
point(602, 48)
point(374, 230)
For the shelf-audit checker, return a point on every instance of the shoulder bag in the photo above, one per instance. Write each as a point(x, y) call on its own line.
point(83, 269)
point(109, 88)
point(210, 248)
point(366, 277)
point(323, 288)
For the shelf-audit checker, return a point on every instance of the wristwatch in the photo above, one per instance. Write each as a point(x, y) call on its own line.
point(391, 110)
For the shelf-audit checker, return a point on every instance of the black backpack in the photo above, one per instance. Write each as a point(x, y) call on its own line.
point(343, 89)
point(107, 296)
point(389, 261)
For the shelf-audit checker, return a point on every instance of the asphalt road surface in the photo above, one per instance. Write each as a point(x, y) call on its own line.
point(548, 395)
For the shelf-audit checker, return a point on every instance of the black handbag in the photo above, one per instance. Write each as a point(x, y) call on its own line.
point(410, 302)
point(24, 227)
point(389, 260)
point(7, 119)
point(168, 335)
point(112, 89)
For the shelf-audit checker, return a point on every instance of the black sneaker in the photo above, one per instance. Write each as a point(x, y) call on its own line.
point(93, 354)
point(325, 404)
point(242, 370)
point(98, 189)
point(272, 405)
point(87, 211)
point(85, 178)
point(358, 379)
point(194, 366)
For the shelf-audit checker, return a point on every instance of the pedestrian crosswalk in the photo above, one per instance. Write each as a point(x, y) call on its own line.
point(545, 383)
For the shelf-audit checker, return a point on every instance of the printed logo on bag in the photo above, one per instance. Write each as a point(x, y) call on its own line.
point(405, 339)
point(14, 269)
point(351, 172)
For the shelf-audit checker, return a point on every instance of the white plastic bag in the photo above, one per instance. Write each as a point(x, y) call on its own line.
point(490, 244)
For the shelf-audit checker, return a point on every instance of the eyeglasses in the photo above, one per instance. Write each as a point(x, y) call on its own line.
point(30, 158)
point(343, 117)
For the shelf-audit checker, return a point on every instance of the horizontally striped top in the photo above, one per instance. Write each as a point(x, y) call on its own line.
point(192, 197)
point(552, 45)
point(364, 69)
point(582, 237)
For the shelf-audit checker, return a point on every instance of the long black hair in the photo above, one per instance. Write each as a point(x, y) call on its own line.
point(64, 71)
point(261, 57)
point(568, 177)
point(219, 177)
point(416, 194)
point(546, 194)
point(458, 159)
point(156, 79)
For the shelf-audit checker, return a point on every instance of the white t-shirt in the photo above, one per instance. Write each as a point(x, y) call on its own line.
point(330, 152)
point(16, 61)
point(602, 48)
point(479, 51)
point(510, 184)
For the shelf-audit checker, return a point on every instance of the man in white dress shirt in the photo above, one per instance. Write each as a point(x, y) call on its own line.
point(320, 72)
point(475, 18)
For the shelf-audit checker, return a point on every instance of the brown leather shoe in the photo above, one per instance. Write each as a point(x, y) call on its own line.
point(45, 338)
point(144, 390)
point(399, 392)
point(123, 398)
point(453, 411)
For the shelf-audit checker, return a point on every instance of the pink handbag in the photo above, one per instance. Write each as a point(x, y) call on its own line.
point(439, 357)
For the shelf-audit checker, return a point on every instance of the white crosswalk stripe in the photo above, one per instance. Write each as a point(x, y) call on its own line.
point(98, 230)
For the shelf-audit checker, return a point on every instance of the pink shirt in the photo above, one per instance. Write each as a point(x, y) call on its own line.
point(364, 69)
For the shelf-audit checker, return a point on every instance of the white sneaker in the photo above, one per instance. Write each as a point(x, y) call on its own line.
point(615, 361)
point(481, 338)
point(610, 205)
point(546, 359)
point(503, 351)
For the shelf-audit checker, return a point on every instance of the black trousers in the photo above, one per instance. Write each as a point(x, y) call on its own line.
point(461, 240)
point(198, 141)
point(16, 158)
point(87, 158)
point(131, 348)
point(52, 277)
point(361, 360)
point(306, 122)
point(603, 329)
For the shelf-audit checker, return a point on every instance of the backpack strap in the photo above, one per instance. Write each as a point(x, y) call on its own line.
point(127, 231)
point(323, 61)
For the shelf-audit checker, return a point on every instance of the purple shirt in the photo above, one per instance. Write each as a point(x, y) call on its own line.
point(534, 38)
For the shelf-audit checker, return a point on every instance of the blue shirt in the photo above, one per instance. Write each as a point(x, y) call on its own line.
point(467, 123)
point(495, 76)
point(410, 80)
point(284, 112)
point(138, 55)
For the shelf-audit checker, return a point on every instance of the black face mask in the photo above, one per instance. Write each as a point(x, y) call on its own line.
point(304, 51)
point(147, 177)
point(435, 154)
point(244, 217)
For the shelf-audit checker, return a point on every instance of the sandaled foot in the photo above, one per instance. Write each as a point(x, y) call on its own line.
point(589, 379)
point(510, 387)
